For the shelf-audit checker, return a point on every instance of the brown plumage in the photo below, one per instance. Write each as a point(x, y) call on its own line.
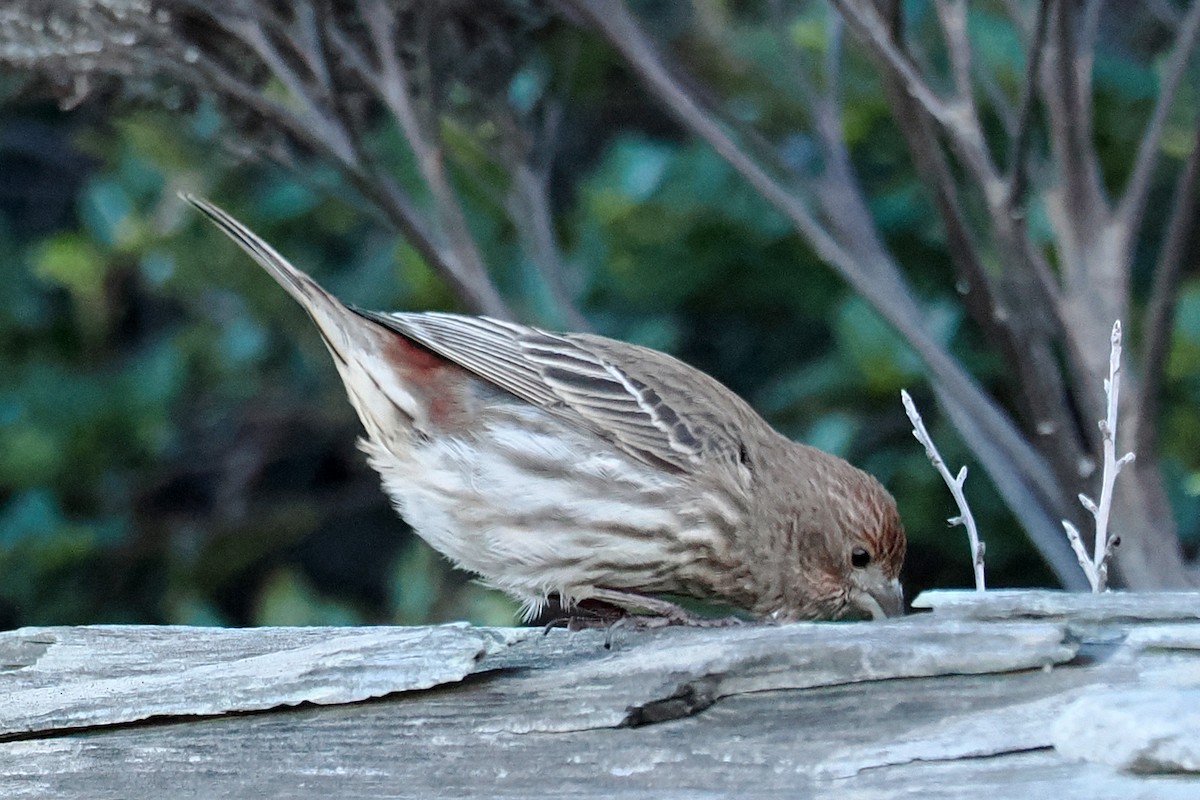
point(576, 466)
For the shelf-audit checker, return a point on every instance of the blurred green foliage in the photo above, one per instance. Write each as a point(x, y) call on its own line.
point(176, 447)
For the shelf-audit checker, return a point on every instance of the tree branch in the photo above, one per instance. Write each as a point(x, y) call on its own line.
point(1018, 167)
point(458, 252)
point(1021, 339)
point(956, 484)
point(1182, 231)
point(325, 133)
point(613, 20)
point(249, 31)
point(956, 117)
point(1133, 202)
point(952, 15)
point(1065, 89)
point(528, 204)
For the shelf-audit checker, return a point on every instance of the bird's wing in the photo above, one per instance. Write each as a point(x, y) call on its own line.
point(605, 386)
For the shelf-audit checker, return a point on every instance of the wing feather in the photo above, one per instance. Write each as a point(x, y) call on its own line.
point(566, 375)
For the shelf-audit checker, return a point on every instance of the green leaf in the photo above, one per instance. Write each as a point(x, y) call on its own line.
point(71, 261)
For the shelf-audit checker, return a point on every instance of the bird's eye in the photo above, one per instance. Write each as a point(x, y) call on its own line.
point(859, 557)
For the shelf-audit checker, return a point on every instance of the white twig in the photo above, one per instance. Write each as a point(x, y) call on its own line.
point(955, 483)
point(1080, 549)
point(1096, 567)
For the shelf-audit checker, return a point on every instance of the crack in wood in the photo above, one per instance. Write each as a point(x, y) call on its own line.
point(690, 698)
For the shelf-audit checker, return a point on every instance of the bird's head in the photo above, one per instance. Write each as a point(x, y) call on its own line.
point(845, 533)
point(868, 566)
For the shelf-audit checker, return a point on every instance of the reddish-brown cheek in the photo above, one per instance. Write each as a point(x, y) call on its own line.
point(826, 587)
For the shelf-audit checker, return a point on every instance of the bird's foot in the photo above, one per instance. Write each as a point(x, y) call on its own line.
point(662, 612)
point(611, 610)
point(584, 616)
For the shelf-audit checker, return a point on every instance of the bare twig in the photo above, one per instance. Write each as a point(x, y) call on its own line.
point(315, 115)
point(1096, 567)
point(1138, 188)
point(1182, 229)
point(834, 38)
point(1081, 553)
point(1018, 168)
point(1023, 339)
point(461, 256)
point(528, 204)
point(952, 14)
point(614, 20)
point(955, 116)
point(955, 484)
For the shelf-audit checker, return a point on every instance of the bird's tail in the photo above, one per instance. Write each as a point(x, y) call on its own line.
point(370, 358)
point(335, 321)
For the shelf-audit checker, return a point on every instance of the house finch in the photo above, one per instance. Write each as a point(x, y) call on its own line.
point(573, 466)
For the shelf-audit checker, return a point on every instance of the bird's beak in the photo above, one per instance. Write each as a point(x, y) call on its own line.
point(884, 599)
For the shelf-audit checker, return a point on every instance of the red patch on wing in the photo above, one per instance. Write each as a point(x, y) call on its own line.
point(409, 356)
point(434, 380)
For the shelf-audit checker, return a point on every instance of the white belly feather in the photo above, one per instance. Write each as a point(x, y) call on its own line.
point(537, 507)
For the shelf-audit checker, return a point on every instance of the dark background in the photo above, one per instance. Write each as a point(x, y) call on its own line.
point(176, 447)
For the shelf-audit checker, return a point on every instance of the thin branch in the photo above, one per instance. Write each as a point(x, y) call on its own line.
point(374, 184)
point(1087, 56)
point(871, 27)
point(1018, 167)
point(1138, 188)
point(804, 85)
point(1065, 88)
point(304, 38)
point(1164, 11)
point(1021, 339)
point(915, 125)
point(613, 19)
point(956, 117)
point(1081, 553)
point(251, 33)
point(381, 189)
point(459, 255)
point(1182, 231)
point(1103, 546)
point(952, 14)
point(1112, 464)
point(834, 39)
point(955, 484)
point(529, 209)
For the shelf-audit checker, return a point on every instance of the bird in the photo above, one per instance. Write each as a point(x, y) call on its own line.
point(575, 469)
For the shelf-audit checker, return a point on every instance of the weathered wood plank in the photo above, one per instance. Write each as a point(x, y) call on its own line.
point(944, 705)
point(652, 676)
point(1137, 730)
point(63, 678)
point(1109, 608)
point(450, 742)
